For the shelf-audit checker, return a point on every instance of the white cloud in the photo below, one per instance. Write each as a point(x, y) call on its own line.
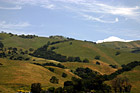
point(11, 8)
point(5, 25)
point(51, 6)
point(41, 3)
point(88, 17)
point(112, 39)
point(85, 7)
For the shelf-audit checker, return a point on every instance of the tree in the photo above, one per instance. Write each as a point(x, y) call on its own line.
point(51, 89)
point(54, 80)
point(71, 59)
point(64, 75)
point(117, 53)
point(97, 63)
point(1, 45)
point(36, 88)
point(31, 49)
point(121, 85)
point(86, 60)
point(51, 69)
point(97, 57)
point(77, 59)
point(59, 90)
point(70, 43)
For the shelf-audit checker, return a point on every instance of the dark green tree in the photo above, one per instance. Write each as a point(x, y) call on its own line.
point(117, 53)
point(97, 57)
point(64, 75)
point(51, 89)
point(59, 90)
point(86, 60)
point(54, 80)
point(1, 45)
point(121, 85)
point(36, 88)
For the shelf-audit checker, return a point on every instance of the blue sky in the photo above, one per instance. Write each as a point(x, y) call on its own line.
point(81, 19)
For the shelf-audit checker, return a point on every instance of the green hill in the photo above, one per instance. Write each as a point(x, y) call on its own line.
point(21, 73)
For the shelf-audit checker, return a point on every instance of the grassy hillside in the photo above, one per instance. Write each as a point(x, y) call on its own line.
point(79, 48)
point(127, 46)
point(103, 68)
point(17, 74)
point(20, 74)
point(15, 41)
point(90, 50)
point(134, 78)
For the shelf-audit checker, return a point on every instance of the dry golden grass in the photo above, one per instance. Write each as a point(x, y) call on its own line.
point(22, 73)
point(103, 68)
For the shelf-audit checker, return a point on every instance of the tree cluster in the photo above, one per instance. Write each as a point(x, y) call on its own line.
point(121, 85)
point(137, 50)
point(85, 72)
point(92, 81)
point(46, 53)
point(51, 64)
point(127, 67)
point(27, 36)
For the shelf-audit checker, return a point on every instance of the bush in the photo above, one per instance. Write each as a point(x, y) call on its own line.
point(51, 69)
point(1, 45)
point(86, 60)
point(59, 90)
point(97, 63)
point(36, 88)
point(51, 89)
point(113, 66)
point(64, 75)
point(54, 80)
point(97, 57)
point(31, 49)
point(118, 53)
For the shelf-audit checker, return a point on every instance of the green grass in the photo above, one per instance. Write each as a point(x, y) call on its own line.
point(19, 42)
point(89, 50)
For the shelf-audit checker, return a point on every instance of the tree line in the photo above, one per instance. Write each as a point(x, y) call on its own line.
point(44, 52)
point(50, 64)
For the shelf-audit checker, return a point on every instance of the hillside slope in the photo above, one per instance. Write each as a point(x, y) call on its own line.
point(18, 74)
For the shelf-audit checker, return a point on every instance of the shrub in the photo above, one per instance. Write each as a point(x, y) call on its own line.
point(97, 57)
point(54, 80)
point(59, 90)
point(51, 89)
point(97, 63)
point(51, 69)
point(36, 88)
point(118, 53)
point(64, 75)
point(86, 60)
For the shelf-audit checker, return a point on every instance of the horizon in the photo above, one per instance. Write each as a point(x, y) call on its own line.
point(109, 39)
point(90, 20)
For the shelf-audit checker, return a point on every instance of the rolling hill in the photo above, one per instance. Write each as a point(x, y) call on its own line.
point(20, 74)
